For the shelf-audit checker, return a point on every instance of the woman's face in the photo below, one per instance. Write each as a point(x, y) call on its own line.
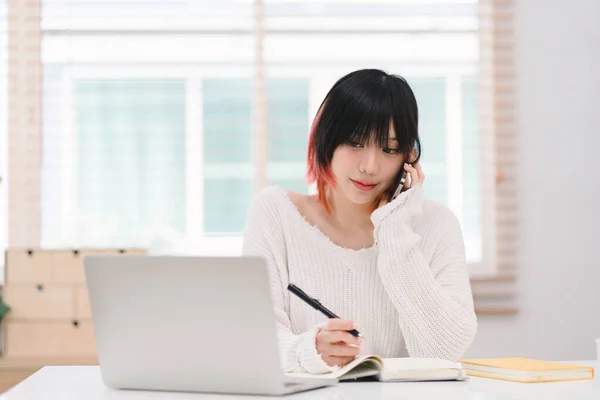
point(363, 171)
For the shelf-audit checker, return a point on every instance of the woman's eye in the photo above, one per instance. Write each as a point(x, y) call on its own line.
point(355, 144)
point(390, 151)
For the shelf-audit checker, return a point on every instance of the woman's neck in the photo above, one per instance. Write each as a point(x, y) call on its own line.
point(346, 214)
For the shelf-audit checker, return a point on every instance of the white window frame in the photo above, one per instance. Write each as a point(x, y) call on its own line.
point(193, 138)
point(193, 76)
point(321, 79)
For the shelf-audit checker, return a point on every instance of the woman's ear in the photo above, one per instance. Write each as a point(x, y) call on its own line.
point(412, 156)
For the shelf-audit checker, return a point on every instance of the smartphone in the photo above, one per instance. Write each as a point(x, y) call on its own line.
point(398, 185)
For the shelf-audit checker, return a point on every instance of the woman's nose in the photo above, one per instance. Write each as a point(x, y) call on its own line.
point(370, 162)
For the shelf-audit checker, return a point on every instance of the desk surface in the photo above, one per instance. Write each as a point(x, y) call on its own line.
point(84, 382)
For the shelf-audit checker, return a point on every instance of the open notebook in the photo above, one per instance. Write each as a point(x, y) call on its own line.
point(394, 369)
point(526, 370)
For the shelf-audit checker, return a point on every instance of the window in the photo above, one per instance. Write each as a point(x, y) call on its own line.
point(130, 156)
point(288, 122)
point(227, 156)
point(150, 121)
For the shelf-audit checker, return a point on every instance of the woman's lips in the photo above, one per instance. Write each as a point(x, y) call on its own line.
point(363, 186)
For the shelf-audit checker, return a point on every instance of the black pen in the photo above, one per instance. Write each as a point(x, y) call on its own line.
point(314, 303)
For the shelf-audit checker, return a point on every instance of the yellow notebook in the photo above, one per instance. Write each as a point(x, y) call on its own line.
point(526, 370)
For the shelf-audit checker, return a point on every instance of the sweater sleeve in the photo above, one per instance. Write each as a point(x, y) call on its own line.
point(434, 300)
point(264, 237)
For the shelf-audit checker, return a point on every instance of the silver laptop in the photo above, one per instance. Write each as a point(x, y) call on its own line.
point(199, 324)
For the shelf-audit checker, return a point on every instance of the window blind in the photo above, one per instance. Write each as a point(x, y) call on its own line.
point(24, 122)
point(3, 132)
point(497, 294)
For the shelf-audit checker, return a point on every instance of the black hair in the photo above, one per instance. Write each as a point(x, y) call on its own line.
point(359, 108)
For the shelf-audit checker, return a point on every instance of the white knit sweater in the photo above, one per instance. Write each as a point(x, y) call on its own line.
point(409, 292)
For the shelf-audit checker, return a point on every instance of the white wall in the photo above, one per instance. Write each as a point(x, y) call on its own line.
point(558, 83)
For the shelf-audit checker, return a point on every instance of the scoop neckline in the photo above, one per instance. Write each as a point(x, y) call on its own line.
point(318, 232)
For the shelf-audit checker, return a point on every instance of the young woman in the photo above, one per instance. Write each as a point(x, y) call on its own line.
point(394, 268)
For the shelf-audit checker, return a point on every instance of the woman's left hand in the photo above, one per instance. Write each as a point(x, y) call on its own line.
point(416, 176)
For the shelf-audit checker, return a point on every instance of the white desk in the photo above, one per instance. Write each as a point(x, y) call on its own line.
point(70, 383)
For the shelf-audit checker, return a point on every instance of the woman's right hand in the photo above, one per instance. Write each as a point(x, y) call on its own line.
point(335, 345)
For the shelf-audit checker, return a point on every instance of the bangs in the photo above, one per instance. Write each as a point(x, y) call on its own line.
point(364, 110)
point(374, 126)
point(370, 127)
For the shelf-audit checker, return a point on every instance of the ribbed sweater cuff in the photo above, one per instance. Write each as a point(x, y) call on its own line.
point(307, 354)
